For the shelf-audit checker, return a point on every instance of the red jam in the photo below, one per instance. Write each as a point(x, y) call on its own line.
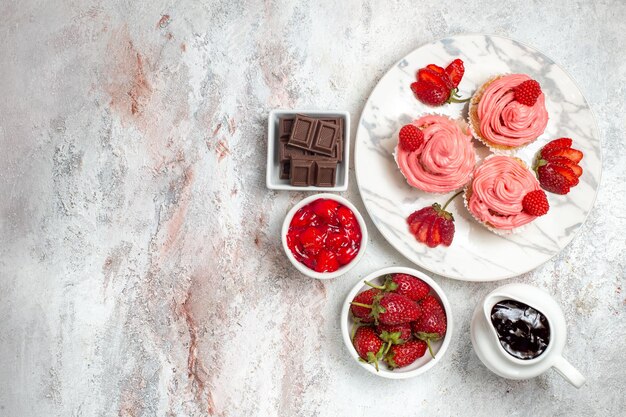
point(324, 235)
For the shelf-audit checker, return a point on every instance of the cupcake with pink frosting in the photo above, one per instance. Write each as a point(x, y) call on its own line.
point(508, 112)
point(435, 154)
point(494, 197)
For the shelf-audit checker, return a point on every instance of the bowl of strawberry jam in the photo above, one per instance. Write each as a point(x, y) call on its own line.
point(324, 236)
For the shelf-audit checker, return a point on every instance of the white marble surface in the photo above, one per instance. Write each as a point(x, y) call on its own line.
point(141, 272)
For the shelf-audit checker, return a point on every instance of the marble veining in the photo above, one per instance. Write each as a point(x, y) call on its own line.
point(141, 270)
point(476, 253)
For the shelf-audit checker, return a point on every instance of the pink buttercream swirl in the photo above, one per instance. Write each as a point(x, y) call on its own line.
point(445, 160)
point(504, 121)
point(498, 188)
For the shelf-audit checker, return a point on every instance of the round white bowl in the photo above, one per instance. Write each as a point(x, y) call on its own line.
point(422, 364)
point(305, 269)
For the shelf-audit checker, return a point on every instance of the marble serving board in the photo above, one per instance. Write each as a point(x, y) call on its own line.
point(476, 254)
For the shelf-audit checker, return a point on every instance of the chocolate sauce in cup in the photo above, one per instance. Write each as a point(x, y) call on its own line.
point(523, 331)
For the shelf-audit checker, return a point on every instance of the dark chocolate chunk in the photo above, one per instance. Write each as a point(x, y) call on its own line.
point(303, 131)
point(284, 126)
point(338, 153)
point(302, 172)
point(325, 173)
point(286, 152)
point(325, 138)
point(285, 169)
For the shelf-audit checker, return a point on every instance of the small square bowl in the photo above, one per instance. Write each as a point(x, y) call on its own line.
point(272, 179)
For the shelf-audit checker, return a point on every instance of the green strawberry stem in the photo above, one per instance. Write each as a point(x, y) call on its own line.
point(451, 198)
point(455, 98)
point(387, 349)
point(356, 323)
point(361, 304)
point(388, 286)
point(378, 287)
point(430, 349)
point(427, 337)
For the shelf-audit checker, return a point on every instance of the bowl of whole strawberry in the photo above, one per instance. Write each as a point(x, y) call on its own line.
point(324, 236)
point(396, 323)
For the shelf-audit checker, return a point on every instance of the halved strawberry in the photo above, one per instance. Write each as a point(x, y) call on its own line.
point(430, 76)
point(566, 172)
point(442, 73)
point(437, 69)
point(561, 143)
point(429, 93)
point(455, 71)
point(557, 166)
point(551, 180)
point(434, 234)
point(422, 233)
point(573, 155)
point(567, 162)
point(433, 225)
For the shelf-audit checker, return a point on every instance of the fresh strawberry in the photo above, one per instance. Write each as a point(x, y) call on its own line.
point(410, 137)
point(422, 233)
point(455, 71)
point(405, 354)
point(527, 92)
point(561, 143)
point(434, 233)
point(432, 325)
point(395, 308)
point(433, 225)
point(364, 298)
point(436, 68)
point(535, 203)
point(446, 228)
point(394, 334)
point(405, 284)
point(552, 181)
point(417, 218)
point(573, 155)
point(563, 161)
point(368, 345)
point(567, 173)
point(557, 166)
point(433, 77)
point(392, 308)
point(429, 93)
point(436, 86)
point(421, 214)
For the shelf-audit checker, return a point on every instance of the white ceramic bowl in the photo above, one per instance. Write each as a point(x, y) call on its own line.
point(422, 364)
point(303, 268)
point(272, 178)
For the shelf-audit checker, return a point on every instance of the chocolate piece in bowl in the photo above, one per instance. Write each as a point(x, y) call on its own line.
point(325, 173)
point(302, 132)
point(285, 125)
point(325, 138)
point(285, 169)
point(302, 172)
